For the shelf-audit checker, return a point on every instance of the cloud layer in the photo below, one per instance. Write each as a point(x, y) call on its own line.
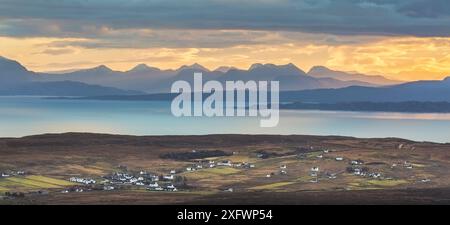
point(344, 17)
point(406, 39)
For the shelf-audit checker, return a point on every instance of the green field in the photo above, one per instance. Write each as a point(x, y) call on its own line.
point(387, 183)
point(49, 180)
point(3, 189)
point(211, 172)
point(32, 182)
point(271, 186)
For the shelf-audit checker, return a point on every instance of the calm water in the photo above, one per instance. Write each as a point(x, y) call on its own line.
point(21, 116)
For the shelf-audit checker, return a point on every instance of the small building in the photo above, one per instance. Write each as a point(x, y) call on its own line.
point(225, 163)
point(356, 162)
point(108, 188)
point(315, 169)
point(169, 177)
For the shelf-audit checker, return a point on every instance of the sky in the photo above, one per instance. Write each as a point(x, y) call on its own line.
point(401, 39)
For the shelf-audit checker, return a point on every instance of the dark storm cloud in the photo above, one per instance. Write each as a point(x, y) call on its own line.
point(88, 19)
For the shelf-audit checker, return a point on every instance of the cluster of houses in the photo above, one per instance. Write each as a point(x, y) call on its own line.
point(357, 170)
point(203, 164)
point(119, 180)
point(151, 181)
point(12, 173)
point(282, 171)
point(405, 164)
point(75, 189)
point(86, 181)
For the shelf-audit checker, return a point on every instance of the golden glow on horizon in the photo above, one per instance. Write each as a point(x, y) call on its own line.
point(403, 58)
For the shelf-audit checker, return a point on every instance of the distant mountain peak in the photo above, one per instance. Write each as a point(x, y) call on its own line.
point(12, 71)
point(325, 72)
point(316, 69)
point(143, 68)
point(101, 68)
point(194, 66)
point(255, 66)
point(7, 64)
point(225, 69)
point(287, 67)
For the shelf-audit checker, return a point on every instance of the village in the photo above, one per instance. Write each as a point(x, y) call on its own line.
point(175, 179)
point(204, 166)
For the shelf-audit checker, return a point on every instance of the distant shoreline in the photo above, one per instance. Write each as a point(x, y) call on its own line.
point(394, 107)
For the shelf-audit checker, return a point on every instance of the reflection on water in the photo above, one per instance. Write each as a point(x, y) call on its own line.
point(20, 116)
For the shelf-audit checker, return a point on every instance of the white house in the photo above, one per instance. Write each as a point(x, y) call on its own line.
point(169, 177)
point(224, 163)
point(229, 190)
point(133, 180)
point(108, 188)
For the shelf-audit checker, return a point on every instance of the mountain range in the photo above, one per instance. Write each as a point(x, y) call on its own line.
point(141, 79)
point(324, 72)
point(319, 85)
point(15, 79)
point(153, 80)
point(420, 91)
